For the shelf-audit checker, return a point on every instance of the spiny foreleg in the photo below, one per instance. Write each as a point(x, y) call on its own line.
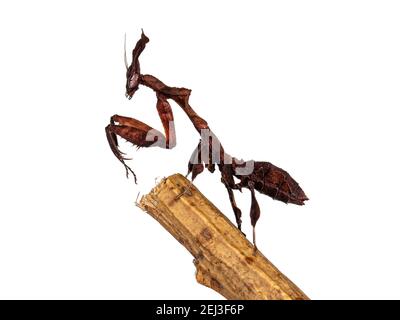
point(134, 131)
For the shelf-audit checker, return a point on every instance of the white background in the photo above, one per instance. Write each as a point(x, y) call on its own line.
point(311, 86)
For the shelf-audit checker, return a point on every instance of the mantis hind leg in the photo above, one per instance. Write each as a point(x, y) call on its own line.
point(236, 210)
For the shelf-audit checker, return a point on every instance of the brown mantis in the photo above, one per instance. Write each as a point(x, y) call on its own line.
point(263, 177)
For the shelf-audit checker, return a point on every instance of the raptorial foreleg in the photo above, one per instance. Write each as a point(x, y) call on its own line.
point(134, 131)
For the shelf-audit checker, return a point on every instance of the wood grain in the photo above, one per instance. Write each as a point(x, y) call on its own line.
point(225, 260)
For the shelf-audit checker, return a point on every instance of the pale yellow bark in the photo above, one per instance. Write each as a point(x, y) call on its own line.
point(225, 260)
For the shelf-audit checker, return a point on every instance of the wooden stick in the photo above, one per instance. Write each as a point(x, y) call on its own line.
point(225, 260)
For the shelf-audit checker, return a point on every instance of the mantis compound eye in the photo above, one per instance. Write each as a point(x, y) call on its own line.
point(134, 81)
point(132, 84)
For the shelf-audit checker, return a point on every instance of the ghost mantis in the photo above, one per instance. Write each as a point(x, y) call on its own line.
point(260, 176)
